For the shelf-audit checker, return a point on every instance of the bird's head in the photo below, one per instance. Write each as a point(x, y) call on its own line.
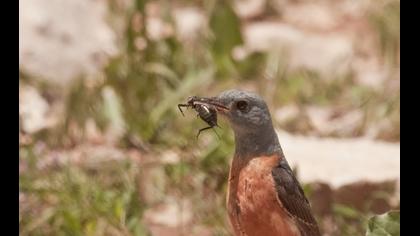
point(250, 120)
point(246, 112)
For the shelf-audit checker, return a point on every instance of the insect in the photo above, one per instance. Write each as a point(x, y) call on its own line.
point(206, 111)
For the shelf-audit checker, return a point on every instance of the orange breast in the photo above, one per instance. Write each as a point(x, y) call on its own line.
point(252, 203)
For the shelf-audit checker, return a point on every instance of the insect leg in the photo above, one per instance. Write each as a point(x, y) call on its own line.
point(182, 105)
point(198, 134)
point(216, 132)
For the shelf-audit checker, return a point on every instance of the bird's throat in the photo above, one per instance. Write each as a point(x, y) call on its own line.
point(262, 142)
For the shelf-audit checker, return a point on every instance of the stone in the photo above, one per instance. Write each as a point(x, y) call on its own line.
point(33, 109)
point(339, 162)
point(60, 40)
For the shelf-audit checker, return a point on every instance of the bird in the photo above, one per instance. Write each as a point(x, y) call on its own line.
point(263, 197)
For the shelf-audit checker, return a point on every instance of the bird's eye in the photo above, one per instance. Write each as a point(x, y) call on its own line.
point(242, 105)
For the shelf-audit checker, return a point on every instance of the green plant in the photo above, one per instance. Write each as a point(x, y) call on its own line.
point(387, 224)
point(76, 200)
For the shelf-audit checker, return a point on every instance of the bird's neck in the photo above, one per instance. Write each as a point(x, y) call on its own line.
point(261, 142)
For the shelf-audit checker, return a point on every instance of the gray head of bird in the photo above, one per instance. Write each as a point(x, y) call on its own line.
point(250, 119)
point(246, 111)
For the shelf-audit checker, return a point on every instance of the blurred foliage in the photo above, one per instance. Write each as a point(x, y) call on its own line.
point(150, 80)
point(349, 220)
point(385, 19)
point(137, 94)
point(95, 200)
point(387, 224)
point(225, 26)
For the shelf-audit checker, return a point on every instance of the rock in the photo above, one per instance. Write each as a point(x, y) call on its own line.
point(324, 37)
point(338, 162)
point(33, 109)
point(321, 199)
point(59, 40)
point(359, 173)
point(366, 196)
point(325, 53)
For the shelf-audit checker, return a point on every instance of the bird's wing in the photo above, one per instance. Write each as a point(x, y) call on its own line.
point(293, 200)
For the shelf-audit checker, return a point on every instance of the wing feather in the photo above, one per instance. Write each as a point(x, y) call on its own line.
point(293, 200)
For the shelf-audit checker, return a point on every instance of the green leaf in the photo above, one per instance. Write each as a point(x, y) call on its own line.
point(387, 224)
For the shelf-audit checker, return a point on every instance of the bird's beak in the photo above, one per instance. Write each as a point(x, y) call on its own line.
point(217, 103)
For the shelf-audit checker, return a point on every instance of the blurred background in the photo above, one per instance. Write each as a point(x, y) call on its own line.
point(103, 149)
